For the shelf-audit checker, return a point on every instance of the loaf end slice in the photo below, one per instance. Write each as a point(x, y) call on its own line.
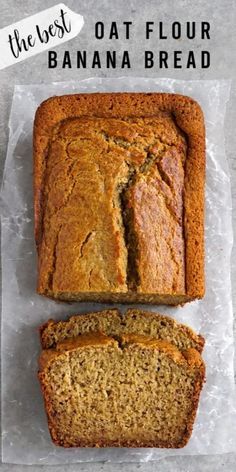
point(106, 321)
point(112, 322)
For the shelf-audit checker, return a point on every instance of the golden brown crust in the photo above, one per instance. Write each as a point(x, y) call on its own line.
point(198, 339)
point(191, 358)
point(112, 322)
point(97, 339)
point(46, 356)
point(188, 117)
point(85, 340)
point(151, 343)
point(51, 331)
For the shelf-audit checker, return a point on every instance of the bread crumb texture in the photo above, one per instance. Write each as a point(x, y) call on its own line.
point(119, 198)
point(133, 391)
point(113, 323)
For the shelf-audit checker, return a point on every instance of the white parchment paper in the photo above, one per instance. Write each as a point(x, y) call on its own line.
point(25, 437)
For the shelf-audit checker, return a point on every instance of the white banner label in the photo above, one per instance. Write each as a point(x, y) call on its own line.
point(38, 33)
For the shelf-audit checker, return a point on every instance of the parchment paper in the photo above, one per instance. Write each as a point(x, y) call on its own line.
point(25, 437)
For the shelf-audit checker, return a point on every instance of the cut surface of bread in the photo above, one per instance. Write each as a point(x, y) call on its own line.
point(119, 198)
point(113, 323)
point(135, 392)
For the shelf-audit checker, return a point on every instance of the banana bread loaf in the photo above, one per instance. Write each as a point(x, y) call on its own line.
point(119, 198)
point(113, 323)
point(138, 392)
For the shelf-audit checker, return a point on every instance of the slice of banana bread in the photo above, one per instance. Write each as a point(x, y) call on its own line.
point(112, 322)
point(138, 392)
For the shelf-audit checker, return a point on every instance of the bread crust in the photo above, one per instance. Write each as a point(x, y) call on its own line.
point(190, 357)
point(52, 327)
point(188, 116)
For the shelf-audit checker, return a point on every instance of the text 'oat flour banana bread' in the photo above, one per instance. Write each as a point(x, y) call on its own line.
point(130, 390)
point(119, 197)
point(138, 392)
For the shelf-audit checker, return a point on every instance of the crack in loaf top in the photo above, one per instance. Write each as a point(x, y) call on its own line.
point(119, 197)
point(87, 230)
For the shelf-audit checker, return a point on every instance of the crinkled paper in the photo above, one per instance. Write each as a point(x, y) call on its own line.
point(25, 437)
